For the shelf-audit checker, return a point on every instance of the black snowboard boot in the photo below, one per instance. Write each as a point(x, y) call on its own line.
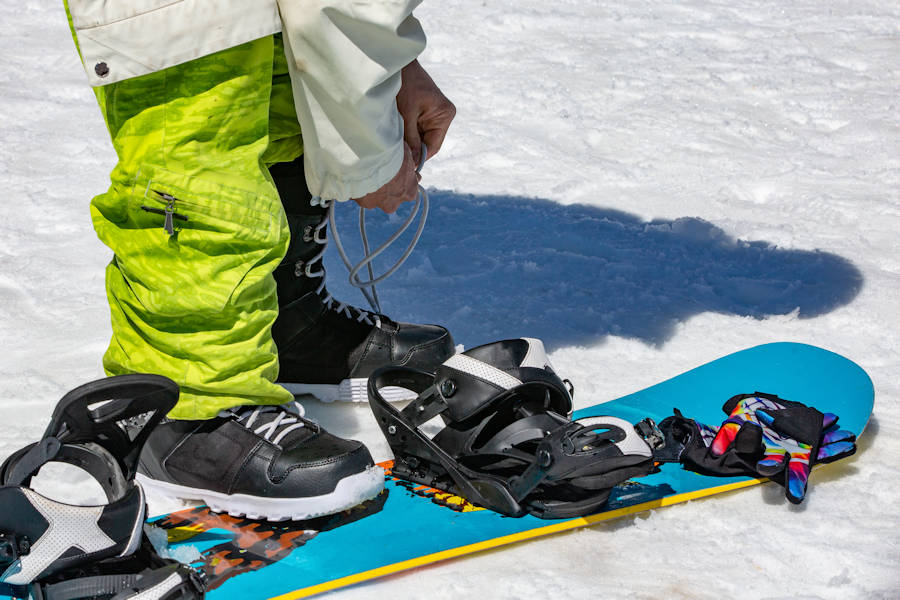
point(328, 348)
point(265, 462)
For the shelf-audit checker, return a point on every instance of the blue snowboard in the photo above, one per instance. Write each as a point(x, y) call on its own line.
point(256, 559)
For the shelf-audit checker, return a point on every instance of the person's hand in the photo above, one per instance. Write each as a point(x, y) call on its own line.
point(404, 187)
point(426, 112)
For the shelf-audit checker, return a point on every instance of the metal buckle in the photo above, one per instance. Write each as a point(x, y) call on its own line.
point(648, 430)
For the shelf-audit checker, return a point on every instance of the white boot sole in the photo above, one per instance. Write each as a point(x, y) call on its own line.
point(349, 390)
point(349, 492)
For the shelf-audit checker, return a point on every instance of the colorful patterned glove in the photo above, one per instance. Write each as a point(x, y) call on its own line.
point(762, 436)
point(794, 437)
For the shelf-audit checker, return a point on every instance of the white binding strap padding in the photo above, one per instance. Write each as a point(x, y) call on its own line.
point(633, 444)
point(536, 356)
point(67, 526)
point(482, 370)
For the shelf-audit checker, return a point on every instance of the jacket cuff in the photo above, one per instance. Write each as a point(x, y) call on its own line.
point(344, 58)
point(344, 183)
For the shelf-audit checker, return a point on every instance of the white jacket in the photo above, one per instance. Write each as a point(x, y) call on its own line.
point(344, 57)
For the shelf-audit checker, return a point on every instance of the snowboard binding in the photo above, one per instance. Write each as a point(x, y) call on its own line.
point(53, 550)
point(507, 441)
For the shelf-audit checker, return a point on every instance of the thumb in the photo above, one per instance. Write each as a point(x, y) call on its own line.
point(748, 439)
point(723, 438)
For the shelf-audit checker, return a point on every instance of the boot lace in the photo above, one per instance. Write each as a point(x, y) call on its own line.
point(307, 268)
point(366, 286)
point(271, 420)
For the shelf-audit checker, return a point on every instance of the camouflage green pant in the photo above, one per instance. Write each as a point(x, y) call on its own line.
point(194, 298)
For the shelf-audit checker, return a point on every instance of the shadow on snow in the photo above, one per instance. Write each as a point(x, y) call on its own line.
point(492, 267)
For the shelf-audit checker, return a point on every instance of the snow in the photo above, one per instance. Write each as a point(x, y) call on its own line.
point(646, 186)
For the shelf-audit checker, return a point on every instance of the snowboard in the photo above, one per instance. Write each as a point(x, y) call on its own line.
point(411, 525)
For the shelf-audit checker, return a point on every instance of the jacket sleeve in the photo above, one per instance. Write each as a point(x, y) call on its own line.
point(345, 58)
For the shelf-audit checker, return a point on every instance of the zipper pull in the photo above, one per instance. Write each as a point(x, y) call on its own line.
point(169, 224)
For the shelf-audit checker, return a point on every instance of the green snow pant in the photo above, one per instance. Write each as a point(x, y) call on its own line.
point(195, 299)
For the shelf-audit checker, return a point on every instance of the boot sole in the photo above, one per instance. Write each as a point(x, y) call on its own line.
point(349, 492)
point(349, 390)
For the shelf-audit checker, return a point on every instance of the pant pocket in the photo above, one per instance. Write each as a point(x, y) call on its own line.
point(185, 244)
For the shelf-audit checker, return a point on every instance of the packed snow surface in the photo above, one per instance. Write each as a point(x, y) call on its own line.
point(645, 185)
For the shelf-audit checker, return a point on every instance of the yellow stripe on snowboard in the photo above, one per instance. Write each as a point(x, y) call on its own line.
point(511, 539)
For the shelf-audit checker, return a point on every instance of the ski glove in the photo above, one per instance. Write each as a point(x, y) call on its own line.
point(764, 436)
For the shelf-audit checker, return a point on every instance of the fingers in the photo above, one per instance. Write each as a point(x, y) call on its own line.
point(797, 478)
point(765, 418)
point(436, 125)
point(411, 177)
point(426, 111)
point(829, 419)
point(404, 187)
point(835, 444)
point(411, 135)
point(427, 126)
point(835, 451)
point(840, 435)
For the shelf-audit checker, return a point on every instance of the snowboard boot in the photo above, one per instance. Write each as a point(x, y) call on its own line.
point(328, 348)
point(265, 462)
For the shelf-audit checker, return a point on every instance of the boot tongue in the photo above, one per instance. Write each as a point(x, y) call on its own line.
point(281, 424)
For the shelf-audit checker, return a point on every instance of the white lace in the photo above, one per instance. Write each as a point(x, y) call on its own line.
point(305, 268)
point(367, 286)
point(288, 419)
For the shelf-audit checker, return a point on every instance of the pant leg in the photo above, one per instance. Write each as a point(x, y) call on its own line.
point(197, 305)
